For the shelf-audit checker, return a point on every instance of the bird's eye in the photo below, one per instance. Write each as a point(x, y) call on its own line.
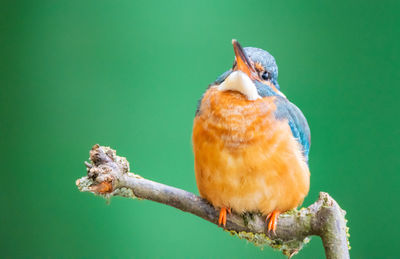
point(266, 75)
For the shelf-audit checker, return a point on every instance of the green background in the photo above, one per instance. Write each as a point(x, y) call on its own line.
point(128, 74)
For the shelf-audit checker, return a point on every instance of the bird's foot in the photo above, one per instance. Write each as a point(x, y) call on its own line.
point(272, 219)
point(222, 216)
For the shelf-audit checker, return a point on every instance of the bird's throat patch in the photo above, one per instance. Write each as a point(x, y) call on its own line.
point(240, 82)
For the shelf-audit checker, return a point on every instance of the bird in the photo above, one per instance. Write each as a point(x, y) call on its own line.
point(250, 143)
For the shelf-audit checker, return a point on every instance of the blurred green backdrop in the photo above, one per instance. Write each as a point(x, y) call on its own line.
point(128, 74)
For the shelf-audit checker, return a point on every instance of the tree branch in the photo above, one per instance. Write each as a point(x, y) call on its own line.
point(108, 175)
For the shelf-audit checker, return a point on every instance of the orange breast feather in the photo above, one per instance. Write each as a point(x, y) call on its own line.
point(245, 159)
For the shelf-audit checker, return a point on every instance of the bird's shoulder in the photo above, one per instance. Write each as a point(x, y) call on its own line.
point(296, 120)
point(218, 81)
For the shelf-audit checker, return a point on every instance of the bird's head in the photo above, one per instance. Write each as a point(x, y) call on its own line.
point(254, 73)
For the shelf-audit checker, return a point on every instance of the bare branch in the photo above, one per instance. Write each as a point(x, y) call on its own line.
point(108, 175)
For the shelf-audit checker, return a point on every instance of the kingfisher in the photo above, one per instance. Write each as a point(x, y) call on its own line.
point(250, 143)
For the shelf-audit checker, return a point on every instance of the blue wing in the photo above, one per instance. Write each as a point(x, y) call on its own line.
point(297, 122)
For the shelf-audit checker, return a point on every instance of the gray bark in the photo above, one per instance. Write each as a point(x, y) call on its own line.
point(108, 175)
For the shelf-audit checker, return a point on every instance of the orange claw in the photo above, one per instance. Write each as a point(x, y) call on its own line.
point(222, 216)
point(273, 219)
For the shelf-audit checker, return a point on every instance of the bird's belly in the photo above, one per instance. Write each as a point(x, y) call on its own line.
point(248, 163)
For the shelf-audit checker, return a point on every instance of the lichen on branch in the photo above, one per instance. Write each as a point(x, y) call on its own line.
point(108, 175)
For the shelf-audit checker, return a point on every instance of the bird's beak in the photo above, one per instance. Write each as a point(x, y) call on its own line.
point(242, 62)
